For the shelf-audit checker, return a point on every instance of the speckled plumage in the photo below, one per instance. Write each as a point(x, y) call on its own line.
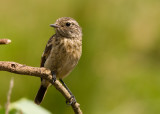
point(64, 55)
point(62, 51)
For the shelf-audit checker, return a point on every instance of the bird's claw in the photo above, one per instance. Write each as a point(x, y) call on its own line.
point(71, 101)
point(53, 76)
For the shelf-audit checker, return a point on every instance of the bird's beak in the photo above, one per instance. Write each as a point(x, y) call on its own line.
point(54, 25)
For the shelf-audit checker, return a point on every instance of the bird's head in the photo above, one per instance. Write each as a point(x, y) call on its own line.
point(67, 27)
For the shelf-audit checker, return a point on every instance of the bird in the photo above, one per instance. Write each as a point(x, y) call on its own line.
point(62, 53)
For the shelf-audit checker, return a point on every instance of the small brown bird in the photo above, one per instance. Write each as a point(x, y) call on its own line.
point(62, 52)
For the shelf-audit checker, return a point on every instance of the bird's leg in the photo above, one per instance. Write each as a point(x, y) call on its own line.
point(53, 76)
point(73, 99)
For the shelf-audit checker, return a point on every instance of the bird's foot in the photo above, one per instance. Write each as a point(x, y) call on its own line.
point(53, 76)
point(71, 101)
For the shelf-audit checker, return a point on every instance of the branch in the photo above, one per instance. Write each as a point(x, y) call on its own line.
point(5, 41)
point(42, 73)
point(9, 95)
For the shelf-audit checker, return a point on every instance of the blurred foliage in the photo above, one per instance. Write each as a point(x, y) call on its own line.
point(24, 106)
point(119, 69)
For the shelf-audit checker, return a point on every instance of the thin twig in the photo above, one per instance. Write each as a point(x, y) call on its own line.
point(9, 96)
point(39, 72)
point(5, 41)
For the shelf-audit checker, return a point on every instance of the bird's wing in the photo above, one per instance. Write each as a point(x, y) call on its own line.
point(47, 51)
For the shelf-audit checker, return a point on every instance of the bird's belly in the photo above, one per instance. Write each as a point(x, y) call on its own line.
point(64, 57)
point(62, 65)
point(66, 68)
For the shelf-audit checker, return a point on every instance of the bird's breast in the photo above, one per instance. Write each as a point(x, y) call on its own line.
point(64, 56)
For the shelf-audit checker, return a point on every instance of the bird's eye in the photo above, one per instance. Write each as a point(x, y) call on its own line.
point(68, 24)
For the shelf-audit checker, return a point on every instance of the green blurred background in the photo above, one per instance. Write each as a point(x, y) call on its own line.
point(119, 71)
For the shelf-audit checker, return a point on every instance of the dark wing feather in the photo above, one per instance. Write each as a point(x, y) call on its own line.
point(47, 51)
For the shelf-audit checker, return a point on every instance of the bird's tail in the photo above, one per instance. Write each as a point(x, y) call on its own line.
point(41, 93)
